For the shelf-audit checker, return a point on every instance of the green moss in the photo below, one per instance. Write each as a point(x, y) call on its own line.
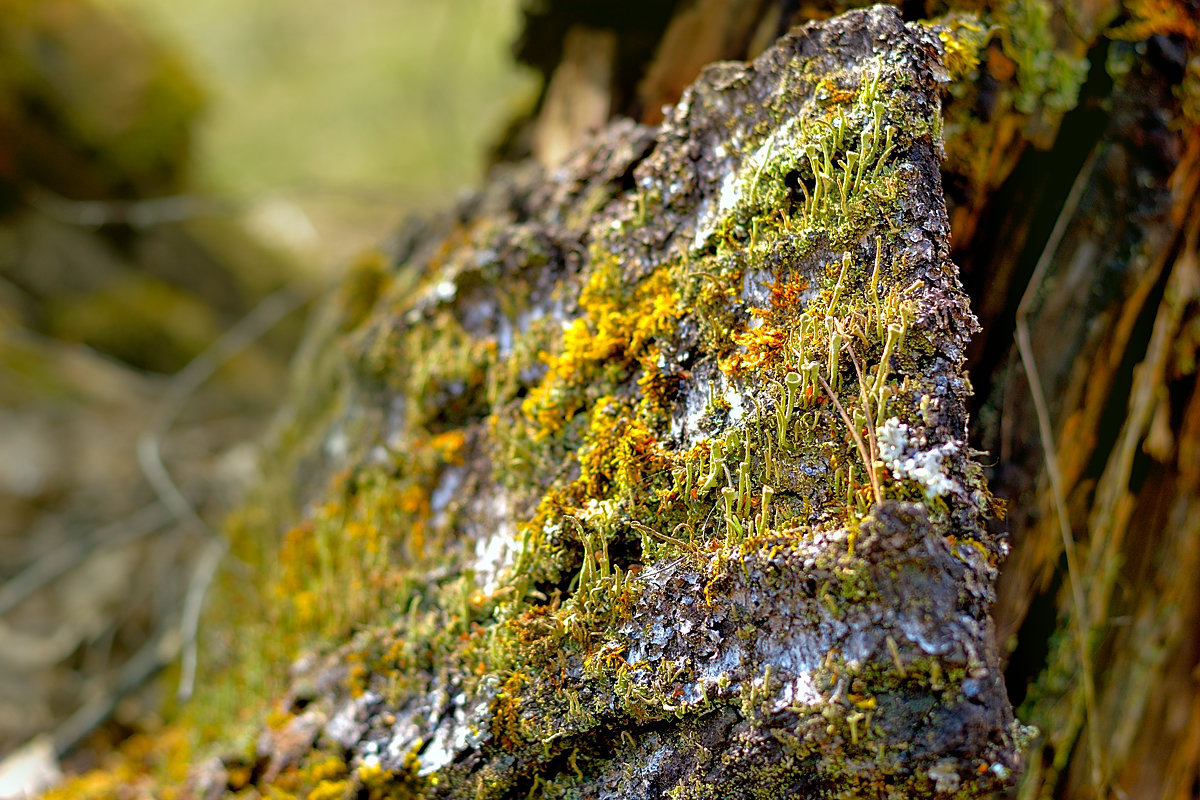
point(1048, 77)
point(583, 438)
point(538, 459)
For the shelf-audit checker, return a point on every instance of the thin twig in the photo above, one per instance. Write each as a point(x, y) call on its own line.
point(135, 213)
point(168, 209)
point(184, 384)
point(193, 604)
point(1050, 453)
point(662, 536)
point(862, 448)
point(63, 559)
point(155, 654)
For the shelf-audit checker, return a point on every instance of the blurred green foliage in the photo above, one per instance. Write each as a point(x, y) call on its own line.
point(90, 107)
point(395, 97)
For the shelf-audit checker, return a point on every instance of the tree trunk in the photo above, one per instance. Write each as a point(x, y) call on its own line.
point(647, 471)
point(1071, 178)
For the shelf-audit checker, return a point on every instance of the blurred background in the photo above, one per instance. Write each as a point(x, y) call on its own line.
point(348, 113)
point(177, 182)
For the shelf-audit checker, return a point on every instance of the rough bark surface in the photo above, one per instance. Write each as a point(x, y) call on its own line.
point(1071, 176)
point(532, 512)
point(679, 436)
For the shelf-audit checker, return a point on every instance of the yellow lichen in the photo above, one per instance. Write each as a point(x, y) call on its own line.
point(329, 790)
point(1151, 17)
point(372, 774)
point(616, 333)
point(143, 766)
point(618, 450)
point(963, 37)
point(763, 346)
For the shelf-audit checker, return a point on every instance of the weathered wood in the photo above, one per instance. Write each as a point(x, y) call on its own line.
point(514, 496)
point(1098, 100)
point(682, 428)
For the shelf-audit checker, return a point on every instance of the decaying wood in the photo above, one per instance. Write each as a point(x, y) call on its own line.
point(1116, 121)
point(710, 526)
point(521, 513)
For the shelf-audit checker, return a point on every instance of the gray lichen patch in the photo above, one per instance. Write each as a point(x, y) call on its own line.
point(668, 478)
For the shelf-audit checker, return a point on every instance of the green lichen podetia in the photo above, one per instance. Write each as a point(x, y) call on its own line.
point(671, 498)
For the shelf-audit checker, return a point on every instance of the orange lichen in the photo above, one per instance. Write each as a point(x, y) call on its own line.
point(828, 93)
point(763, 347)
point(618, 450)
point(449, 446)
point(506, 718)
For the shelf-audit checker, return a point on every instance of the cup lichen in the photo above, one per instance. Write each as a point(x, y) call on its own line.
point(620, 512)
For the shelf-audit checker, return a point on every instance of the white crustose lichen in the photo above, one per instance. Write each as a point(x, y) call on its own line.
point(908, 463)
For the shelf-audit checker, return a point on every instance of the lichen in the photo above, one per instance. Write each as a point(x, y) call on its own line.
point(615, 513)
point(907, 462)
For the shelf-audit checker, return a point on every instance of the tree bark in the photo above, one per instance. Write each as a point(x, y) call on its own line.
point(672, 557)
point(1071, 179)
point(647, 471)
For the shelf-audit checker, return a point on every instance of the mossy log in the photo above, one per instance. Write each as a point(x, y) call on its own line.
point(661, 457)
point(1071, 178)
point(647, 472)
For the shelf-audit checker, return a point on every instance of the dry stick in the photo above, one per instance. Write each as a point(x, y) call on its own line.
point(1050, 452)
point(61, 560)
point(874, 449)
point(862, 448)
point(167, 209)
point(137, 213)
point(159, 651)
point(661, 536)
point(193, 604)
point(249, 329)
